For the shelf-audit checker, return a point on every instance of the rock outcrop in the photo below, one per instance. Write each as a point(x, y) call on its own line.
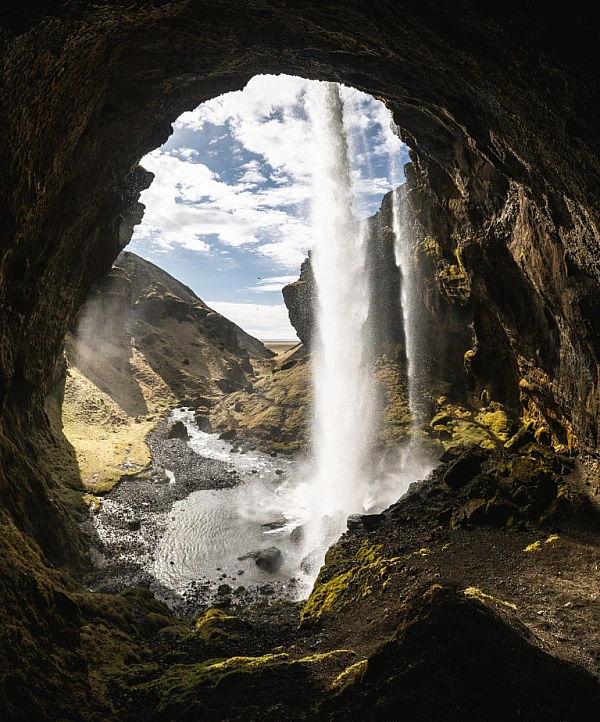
point(301, 296)
point(500, 108)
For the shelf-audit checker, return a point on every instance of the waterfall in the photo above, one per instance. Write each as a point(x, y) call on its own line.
point(408, 298)
point(342, 340)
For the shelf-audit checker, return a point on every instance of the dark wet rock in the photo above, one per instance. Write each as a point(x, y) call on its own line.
point(473, 512)
point(297, 534)
point(354, 522)
point(222, 602)
point(464, 468)
point(228, 435)
point(203, 423)
point(223, 589)
point(134, 525)
point(275, 524)
point(368, 522)
point(454, 452)
point(268, 560)
point(311, 563)
point(178, 430)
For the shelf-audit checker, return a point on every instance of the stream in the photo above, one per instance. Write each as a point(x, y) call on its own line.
point(191, 527)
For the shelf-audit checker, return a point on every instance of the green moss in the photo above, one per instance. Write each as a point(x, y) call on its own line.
point(532, 466)
point(115, 659)
point(429, 247)
point(395, 422)
point(345, 579)
point(476, 593)
point(182, 680)
point(184, 689)
point(211, 626)
point(114, 638)
point(489, 428)
point(537, 546)
point(498, 421)
point(533, 547)
point(350, 676)
point(40, 649)
point(453, 277)
point(466, 433)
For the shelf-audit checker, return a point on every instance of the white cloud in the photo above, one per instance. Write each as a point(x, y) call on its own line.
point(266, 118)
point(267, 210)
point(187, 201)
point(259, 320)
point(272, 283)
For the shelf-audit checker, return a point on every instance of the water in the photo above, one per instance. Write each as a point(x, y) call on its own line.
point(409, 301)
point(207, 532)
point(341, 358)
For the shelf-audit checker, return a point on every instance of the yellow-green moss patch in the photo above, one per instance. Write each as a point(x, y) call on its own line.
point(537, 546)
point(212, 626)
point(476, 593)
point(347, 578)
point(183, 686)
point(350, 675)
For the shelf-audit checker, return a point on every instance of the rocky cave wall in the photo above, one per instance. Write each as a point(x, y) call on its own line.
point(499, 108)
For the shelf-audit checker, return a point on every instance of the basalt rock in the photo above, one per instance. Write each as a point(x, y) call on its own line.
point(385, 310)
point(268, 560)
point(177, 430)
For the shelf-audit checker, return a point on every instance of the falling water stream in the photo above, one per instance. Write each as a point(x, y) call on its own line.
point(408, 302)
point(342, 344)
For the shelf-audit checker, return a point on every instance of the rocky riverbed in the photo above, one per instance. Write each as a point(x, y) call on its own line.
point(194, 526)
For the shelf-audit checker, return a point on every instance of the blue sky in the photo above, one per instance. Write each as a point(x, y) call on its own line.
point(229, 210)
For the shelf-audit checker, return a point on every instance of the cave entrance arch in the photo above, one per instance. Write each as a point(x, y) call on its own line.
point(106, 84)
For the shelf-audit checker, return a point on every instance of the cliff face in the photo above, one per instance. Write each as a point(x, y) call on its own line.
point(141, 344)
point(496, 306)
point(500, 109)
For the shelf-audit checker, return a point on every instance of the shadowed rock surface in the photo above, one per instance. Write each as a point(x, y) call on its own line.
point(500, 109)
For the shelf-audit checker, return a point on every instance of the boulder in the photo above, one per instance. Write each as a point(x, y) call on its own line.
point(368, 522)
point(463, 469)
point(268, 560)
point(297, 535)
point(203, 423)
point(177, 430)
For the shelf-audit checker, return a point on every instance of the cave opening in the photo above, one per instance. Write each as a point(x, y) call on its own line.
point(233, 196)
point(229, 209)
